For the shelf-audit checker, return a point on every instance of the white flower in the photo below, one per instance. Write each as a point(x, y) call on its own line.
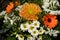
point(31, 38)
point(55, 12)
point(48, 8)
point(11, 21)
point(46, 1)
point(51, 32)
point(34, 33)
point(36, 24)
point(31, 28)
point(2, 13)
point(55, 32)
point(24, 27)
point(20, 37)
point(18, 8)
point(41, 31)
point(46, 4)
point(40, 38)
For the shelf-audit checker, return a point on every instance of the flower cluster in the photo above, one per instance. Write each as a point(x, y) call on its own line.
point(31, 28)
point(30, 20)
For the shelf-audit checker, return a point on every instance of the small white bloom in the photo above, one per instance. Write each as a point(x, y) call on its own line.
point(34, 33)
point(31, 28)
point(40, 38)
point(36, 24)
point(45, 1)
point(41, 31)
point(20, 37)
point(55, 12)
point(31, 38)
point(18, 8)
point(48, 8)
point(51, 32)
point(54, 35)
point(6, 17)
point(46, 4)
point(11, 21)
point(55, 32)
point(2, 13)
point(24, 27)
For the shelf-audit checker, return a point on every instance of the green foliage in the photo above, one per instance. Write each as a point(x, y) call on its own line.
point(16, 13)
point(40, 2)
point(22, 1)
point(58, 26)
point(11, 38)
point(40, 15)
point(46, 37)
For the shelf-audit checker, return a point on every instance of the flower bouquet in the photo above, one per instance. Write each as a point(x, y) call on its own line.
point(31, 20)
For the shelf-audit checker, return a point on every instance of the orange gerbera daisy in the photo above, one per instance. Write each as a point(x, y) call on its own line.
point(9, 7)
point(50, 20)
point(29, 11)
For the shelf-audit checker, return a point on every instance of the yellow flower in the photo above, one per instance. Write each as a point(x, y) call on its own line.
point(29, 11)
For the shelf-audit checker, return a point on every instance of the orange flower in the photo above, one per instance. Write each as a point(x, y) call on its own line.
point(29, 11)
point(17, 3)
point(50, 20)
point(9, 7)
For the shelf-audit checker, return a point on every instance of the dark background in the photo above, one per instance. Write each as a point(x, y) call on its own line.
point(3, 4)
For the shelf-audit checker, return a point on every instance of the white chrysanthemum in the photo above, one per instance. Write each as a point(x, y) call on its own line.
point(2, 13)
point(55, 12)
point(20, 37)
point(24, 27)
point(51, 32)
point(55, 32)
point(41, 31)
point(40, 38)
point(31, 28)
point(11, 21)
point(18, 8)
point(36, 24)
point(31, 38)
point(47, 5)
point(34, 33)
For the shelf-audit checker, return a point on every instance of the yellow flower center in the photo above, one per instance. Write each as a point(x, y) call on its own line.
point(30, 11)
point(34, 32)
point(35, 24)
point(40, 30)
point(31, 28)
point(24, 26)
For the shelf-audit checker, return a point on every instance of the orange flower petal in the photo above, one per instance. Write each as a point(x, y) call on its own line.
point(29, 11)
point(50, 20)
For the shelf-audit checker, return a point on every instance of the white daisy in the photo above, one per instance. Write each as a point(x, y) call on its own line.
point(24, 27)
point(31, 38)
point(20, 37)
point(34, 33)
point(41, 31)
point(31, 28)
point(36, 24)
point(40, 38)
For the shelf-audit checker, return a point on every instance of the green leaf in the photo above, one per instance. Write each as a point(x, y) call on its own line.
point(46, 37)
point(39, 2)
point(11, 38)
point(57, 27)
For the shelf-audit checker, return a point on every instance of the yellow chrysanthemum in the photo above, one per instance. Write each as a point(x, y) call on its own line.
point(29, 11)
